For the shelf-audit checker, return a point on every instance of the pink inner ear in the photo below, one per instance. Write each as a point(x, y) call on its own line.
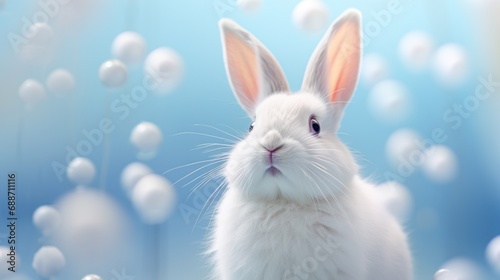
point(343, 57)
point(242, 66)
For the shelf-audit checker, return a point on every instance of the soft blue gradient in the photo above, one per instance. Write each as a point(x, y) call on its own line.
point(468, 209)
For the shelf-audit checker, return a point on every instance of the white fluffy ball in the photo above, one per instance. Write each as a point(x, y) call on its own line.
point(310, 15)
point(443, 274)
point(129, 47)
point(92, 277)
point(396, 198)
point(146, 137)
point(249, 5)
point(450, 64)
point(462, 269)
point(390, 101)
point(81, 171)
point(401, 144)
point(60, 82)
point(31, 92)
point(166, 67)
point(40, 34)
point(4, 266)
point(374, 68)
point(48, 261)
point(132, 173)
point(440, 164)
point(93, 228)
point(415, 49)
point(154, 198)
point(47, 219)
point(113, 73)
point(493, 253)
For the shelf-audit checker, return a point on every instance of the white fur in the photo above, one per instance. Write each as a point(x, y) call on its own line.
point(315, 219)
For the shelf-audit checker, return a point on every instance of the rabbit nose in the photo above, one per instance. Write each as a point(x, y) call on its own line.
point(272, 141)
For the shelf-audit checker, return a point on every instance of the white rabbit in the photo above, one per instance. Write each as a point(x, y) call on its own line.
point(295, 206)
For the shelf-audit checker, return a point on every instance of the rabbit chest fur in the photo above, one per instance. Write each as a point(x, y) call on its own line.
point(353, 238)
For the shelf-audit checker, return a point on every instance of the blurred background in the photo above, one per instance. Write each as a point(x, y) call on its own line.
point(117, 82)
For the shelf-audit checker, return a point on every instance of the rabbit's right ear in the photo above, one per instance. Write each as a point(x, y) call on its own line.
point(252, 70)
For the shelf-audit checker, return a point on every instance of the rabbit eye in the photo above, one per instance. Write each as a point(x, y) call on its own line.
point(314, 126)
point(251, 127)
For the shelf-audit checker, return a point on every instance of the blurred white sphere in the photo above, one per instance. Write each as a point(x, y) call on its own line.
point(81, 171)
point(401, 144)
point(493, 253)
point(146, 137)
point(92, 277)
point(40, 34)
point(129, 47)
point(113, 73)
point(415, 49)
point(132, 173)
point(31, 92)
point(47, 219)
point(249, 5)
point(462, 269)
point(396, 198)
point(390, 101)
point(93, 226)
point(166, 67)
point(154, 198)
point(374, 68)
point(440, 164)
point(4, 266)
point(450, 64)
point(48, 261)
point(60, 82)
point(443, 274)
point(310, 15)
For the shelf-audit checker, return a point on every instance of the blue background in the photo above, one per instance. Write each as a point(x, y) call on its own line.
point(467, 209)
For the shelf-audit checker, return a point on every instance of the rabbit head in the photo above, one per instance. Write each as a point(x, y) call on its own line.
point(292, 151)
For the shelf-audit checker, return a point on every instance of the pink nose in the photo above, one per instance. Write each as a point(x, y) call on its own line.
point(272, 150)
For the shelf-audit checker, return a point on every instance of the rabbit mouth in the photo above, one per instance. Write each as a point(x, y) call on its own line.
point(273, 171)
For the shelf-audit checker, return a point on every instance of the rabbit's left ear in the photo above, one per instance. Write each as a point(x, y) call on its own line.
point(333, 68)
point(252, 70)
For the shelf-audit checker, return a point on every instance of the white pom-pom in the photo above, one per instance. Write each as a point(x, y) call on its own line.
point(450, 64)
point(415, 49)
point(166, 67)
point(113, 73)
point(374, 68)
point(129, 47)
point(493, 253)
point(41, 34)
point(48, 261)
point(390, 101)
point(132, 173)
point(93, 226)
point(310, 15)
point(60, 82)
point(47, 219)
point(146, 137)
point(443, 274)
point(31, 92)
point(403, 144)
point(4, 259)
point(154, 198)
point(81, 171)
point(92, 277)
point(249, 5)
point(462, 269)
point(440, 164)
point(396, 198)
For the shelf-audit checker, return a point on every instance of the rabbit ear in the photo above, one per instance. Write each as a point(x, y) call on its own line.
point(253, 71)
point(333, 69)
